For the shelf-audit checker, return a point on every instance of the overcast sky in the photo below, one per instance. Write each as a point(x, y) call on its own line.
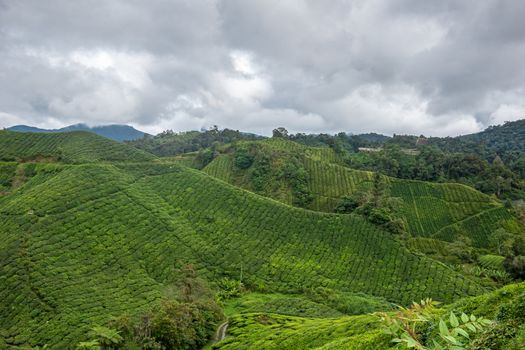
point(444, 67)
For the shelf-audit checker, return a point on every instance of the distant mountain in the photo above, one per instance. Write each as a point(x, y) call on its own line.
point(115, 132)
point(502, 140)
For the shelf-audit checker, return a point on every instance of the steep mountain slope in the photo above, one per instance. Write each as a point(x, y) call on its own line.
point(115, 132)
point(432, 210)
point(70, 147)
point(86, 242)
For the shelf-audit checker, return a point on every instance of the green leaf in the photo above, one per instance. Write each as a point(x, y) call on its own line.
point(443, 328)
point(464, 317)
point(453, 320)
point(455, 347)
point(471, 327)
point(437, 346)
point(451, 340)
point(472, 318)
point(462, 332)
point(411, 343)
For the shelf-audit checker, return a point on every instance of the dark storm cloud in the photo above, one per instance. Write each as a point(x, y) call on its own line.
point(433, 67)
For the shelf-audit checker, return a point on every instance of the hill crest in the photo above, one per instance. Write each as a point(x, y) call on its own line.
point(117, 132)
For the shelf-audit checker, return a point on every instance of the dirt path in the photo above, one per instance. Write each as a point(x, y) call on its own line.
point(221, 332)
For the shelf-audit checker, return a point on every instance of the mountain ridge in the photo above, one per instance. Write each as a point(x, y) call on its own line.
point(117, 132)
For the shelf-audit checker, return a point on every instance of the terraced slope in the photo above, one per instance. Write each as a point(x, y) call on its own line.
point(432, 210)
point(87, 242)
point(69, 147)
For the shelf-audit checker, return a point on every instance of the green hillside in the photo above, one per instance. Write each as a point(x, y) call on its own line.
point(505, 307)
point(92, 230)
point(433, 210)
point(277, 332)
point(70, 147)
point(84, 243)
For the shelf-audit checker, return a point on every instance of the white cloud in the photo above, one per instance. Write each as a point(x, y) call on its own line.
point(400, 66)
point(507, 113)
point(243, 62)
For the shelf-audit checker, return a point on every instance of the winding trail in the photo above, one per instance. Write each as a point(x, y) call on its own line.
point(221, 332)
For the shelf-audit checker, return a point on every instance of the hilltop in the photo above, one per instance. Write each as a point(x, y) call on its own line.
point(169, 143)
point(115, 132)
point(70, 147)
point(498, 139)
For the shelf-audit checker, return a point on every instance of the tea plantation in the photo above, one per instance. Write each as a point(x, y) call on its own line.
point(95, 241)
point(443, 211)
point(92, 230)
point(70, 147)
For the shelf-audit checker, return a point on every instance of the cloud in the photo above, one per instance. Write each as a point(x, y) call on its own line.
point(403, 66)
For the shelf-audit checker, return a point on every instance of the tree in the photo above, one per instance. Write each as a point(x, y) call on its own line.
point(350, 203)
point(378, 189)
point(376, 206)
point(502, 241)
point(190, 285)
point(280, 132)
point(243, 159)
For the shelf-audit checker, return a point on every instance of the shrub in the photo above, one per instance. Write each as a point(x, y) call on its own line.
point(454, 332)
point(243, 158)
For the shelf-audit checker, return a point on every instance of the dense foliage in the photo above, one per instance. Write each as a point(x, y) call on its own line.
point(169, 143)
point(376, 205)
point(492, 161)
point(455, 333)
point(429, 163)
point(185, 320)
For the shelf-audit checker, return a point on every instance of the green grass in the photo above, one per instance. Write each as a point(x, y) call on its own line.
point(89, 242)
point(69, 147)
